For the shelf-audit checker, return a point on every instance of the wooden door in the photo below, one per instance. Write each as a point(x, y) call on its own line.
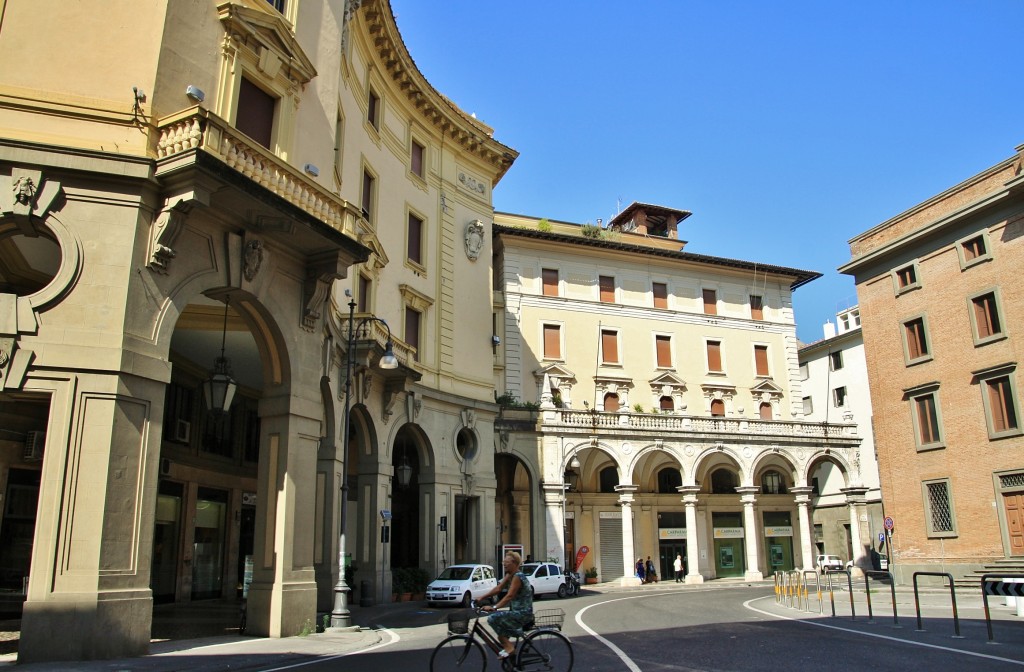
point(1014, 504)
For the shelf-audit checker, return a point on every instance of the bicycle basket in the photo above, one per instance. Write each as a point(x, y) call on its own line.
point(458, 624)
point(549, 618)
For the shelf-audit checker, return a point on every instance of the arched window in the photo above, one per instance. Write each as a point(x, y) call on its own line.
point(772, 483)
point(611, 402)
point(723, 482)
point(609, 479)
point(766, 410)
point(666, 404)
point(668, 480)
point(717, 408)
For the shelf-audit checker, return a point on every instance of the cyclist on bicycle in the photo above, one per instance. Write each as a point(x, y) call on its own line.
point(518, 597)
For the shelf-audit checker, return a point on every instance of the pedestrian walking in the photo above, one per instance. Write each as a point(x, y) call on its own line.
point(652, 573)
point(677, 567)
point(640, 574)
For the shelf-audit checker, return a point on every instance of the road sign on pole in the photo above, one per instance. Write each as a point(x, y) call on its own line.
point(881, 537)
point(889, 524)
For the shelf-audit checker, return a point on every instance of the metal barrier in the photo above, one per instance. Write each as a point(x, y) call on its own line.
point(997, 587)
point(878, 574)
point(779, 578)
point(831, 594)
point(952, 595)
point(817, 584)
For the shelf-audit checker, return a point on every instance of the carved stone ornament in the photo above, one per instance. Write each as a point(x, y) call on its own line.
point(472, 183)
point(474, 239)
point(253, 259)
point(24, 191)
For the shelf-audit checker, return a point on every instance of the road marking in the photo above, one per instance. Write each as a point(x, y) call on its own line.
point(390, 633)
point(616, 650)
point(748, 605)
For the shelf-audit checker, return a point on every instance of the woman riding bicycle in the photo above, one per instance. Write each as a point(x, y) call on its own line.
point(519, 599)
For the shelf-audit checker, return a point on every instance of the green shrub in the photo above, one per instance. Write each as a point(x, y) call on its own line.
point(590, 231)
point(544, 225)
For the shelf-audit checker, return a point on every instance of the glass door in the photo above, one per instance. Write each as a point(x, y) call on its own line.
point(208, 544)
point(163, 577)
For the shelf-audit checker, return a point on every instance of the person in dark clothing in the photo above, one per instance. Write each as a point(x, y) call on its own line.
point(652, 573)
point(640, 573)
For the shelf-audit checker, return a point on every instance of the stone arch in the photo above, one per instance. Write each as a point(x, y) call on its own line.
point(592, 460)
point(715, 457)
point(645, 465)
point(831, 461)
point(779, 461)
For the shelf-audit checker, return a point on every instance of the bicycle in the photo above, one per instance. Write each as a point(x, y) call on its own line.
point(542, 648)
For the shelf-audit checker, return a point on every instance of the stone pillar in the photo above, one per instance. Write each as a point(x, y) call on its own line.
point(855, 500)
point(693, 574)
point(628, 557)
point(554, 522)
point(802, 496)
point(748, 496)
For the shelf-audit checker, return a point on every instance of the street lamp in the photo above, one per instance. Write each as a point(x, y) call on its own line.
point(340, 616)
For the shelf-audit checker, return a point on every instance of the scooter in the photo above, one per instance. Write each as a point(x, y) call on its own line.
point(570, 585)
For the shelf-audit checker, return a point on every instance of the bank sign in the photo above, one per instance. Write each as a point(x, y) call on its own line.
point(728, 533)
point(778, 530)
point(672, 533)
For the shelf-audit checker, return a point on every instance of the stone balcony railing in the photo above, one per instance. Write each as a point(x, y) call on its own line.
point(372, 330)
point(198, 129)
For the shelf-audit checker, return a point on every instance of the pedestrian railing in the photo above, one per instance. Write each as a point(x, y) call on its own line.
point(878, 575)
point(831, 594)
point(952, 597)
point(993, 584)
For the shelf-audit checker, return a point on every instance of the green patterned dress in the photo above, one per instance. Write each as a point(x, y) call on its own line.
point(520, 611)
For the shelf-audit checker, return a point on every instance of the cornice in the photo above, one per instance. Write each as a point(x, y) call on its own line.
point(471, 134)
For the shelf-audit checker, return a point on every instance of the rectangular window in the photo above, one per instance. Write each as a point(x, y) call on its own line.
point(916, 340)
point(178, 402)
point(339, 145)
point(1001, 406)
point(926, 420)
point(607, 286)
point(660, 291)
point(413, 318)
point(373, 109)
point(368, 192)
point(255, 115)
point(761, 360)
point(804, 375)
point(974, 250)
point(416, 155)
point(710, 302)
point(808, 406)
point(277, 4)
point(985, 316)
point(835, 360)
point(906, 278)
point(663, 346)
point(365, 290)
point(609, 346)
point(839, 397)
point(714, 356)
point(549, 278)
point(756, 307)
point(938, 509)
point(552, 341)
point(415, 239)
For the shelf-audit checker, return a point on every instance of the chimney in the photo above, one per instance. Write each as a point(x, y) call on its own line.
point(829, 329)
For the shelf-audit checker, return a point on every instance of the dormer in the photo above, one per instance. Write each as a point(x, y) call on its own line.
point(648, 220)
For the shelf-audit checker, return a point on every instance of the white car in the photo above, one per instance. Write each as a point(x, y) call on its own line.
point(828, 563)
point(461, 584)
point(545, 578)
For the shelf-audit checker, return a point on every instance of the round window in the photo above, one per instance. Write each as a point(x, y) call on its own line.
point(465, 444)
point(27, 264)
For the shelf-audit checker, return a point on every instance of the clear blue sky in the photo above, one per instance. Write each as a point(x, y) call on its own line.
point(787, 128)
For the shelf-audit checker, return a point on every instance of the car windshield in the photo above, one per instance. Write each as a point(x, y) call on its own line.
point(529, 568)
point(455, 574)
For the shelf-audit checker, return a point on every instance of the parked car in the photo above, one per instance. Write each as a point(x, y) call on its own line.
point(546, 578)
point(461, 584)
point(828, 563)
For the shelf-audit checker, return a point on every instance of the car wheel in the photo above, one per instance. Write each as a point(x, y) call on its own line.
point(467, 600)
point(562, 592)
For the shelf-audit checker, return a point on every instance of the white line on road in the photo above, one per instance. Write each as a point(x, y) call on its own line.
point(748, 605)
point(390, 633)
point(616, 650)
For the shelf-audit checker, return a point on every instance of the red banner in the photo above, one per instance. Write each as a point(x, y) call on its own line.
point(580, 554)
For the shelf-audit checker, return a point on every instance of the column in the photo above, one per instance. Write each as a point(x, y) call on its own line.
point(802, 497)
point(855, 500)
point(748, 496)
point(554, 523)
point(693, 574)
point(629, 560)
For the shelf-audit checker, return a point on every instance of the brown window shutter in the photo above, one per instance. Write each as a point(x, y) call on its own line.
point(710, 302)
point(611, 402)
point(756, 307)
point(717, 407)
point(552, 341)
point(609, 347)
point(761, 359)
point(607, 284)
point(416, 160)
point(927, 420)
point(255, 112)
point(714, 356)
point(367, 194)
point(765, 411)
point(365, 287)
point(664, 349)
point(415, 238)
point(660, 290)
point(549, 278)
point(412, 329)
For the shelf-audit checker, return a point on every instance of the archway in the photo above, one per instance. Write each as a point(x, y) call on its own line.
point(408, 445)
point(513, 502)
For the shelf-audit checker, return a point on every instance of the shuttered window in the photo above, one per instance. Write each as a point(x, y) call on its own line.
point(756, 307)
point(917, 341)
point(765, 411)
point(549, 278)
point(663, 345)
point(660, 291)
point(255, 112)
point(611, 549)
point(412, 330)
point(927, 420)
point(415, 239)
point(1000, 404)
point(607, 285)
point(367, 204)
point(611, 402)
point(714, 356)
point(761, 359)
point(710, 302)
point(552, 341)
point(416, 158)
point(717, 408)
point(986, 316)
point(609, 346)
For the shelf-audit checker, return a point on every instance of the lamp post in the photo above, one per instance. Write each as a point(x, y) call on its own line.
point(340, 615)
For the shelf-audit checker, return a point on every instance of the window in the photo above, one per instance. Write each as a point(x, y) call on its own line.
point(723, 482)
point(973, 250)
point(1000, 402)
point(835, 360)
point(608, 478)
point(277, 4)
point(710, 302)
point(611, 402)
point(369, 191)
point(552, 341)
point(714, 356)
point(669, 480)
point(804, 375)
point(761, 360)
point(808, 405)
point(772, 483)
point(178, 404)
point(416, 154)
point(415, 239)
point(549, 280)
point(255, 112)
point(413, 318)
point(765, 411)
point(938, 508)
point(927, 427)
point(339, 145)
point(660, 291)
point(609, 346)
point(364, 292)
point(717, 408)
point(607, 287)
point(906, 278)
point(985, 318)
point(663, 348)
point(373, 109)
point(666, 404)
point(756, 307)
point(915, 341)
point(839, 397)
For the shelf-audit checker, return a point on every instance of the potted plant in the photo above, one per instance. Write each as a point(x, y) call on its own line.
point(590, 575)
point(419, 578)
point(397, 584)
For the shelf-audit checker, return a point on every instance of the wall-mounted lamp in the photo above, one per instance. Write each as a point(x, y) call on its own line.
point(495, 340)
point(195, 93)
point(404, 471)
point(311, 170)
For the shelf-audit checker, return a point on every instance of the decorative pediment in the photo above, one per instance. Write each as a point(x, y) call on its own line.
point(378, 258)
point(269, 37)
point(613, 384)
point(556, 372)
point(767, 386)
point(667, 379)
point(415, 299)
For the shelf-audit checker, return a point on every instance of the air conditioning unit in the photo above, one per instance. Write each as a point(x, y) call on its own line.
point(182, 430)
point(34, 444)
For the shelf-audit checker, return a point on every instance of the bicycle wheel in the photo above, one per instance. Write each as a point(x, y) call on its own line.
point(458, 652)
point(545, 651)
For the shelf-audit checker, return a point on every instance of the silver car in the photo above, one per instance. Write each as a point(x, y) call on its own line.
point(460, 584)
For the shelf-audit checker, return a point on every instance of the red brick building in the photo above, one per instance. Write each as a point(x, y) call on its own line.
point(942, 309)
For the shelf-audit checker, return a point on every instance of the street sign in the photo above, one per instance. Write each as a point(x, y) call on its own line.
point(1005, 589)
point(881, 537)
point(385, 514)
point(889, 524)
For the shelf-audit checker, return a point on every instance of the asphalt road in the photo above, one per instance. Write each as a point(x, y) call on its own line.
point(714, 629)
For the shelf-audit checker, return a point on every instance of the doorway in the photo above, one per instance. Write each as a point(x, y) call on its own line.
point(1013, 504)
point(163, 579)
point(209, 544)
point(667, 552)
